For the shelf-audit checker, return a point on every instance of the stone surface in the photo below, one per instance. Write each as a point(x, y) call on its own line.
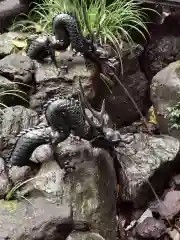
point(170, 206)
point(175, 183)
point(15, 119)
point(87, 189)
point(19, 174)
point(6, 45)
point(146, 160)
point(33, 219)
point(85, 236)
point(163, 46)
point(17, 67)
point(118, 104)
point(49, 85)
point(4, 181)
point(42, 154)
point(165, 90)
point(151, 228)
point(9, 9)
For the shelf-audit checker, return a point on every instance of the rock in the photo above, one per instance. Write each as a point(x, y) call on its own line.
point(151, 228)
point(17, 68)
point(170, 206)
point(118, 104)
point(9, 9)
point(174, 234)
point(42, 154)
point(161, 52)
point(165, 90)
point(4, 181)
point(84, 236)
point(164, 45)
point(49, 85)
point(146, 160)
point(19, 174)
point(15, 119)
point(90, 188)
point(175, 183)
point(6, 44)
point(36, 219)
point(147, 213)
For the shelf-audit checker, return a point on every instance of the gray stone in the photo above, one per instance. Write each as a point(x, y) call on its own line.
point(49, 85)
point(19, 174)
point(118, 104)
point(151, 228)
point(164, 45)
point(17, 118)
point(165, 92)
point(90, 188)
point(6, 45)
point(145, 161)
point(36, 219)
point(170, 206)
point(14, 120)
point(85, 236)
point(9, 9)
point(4, 181)
point(161, 52)
point(17, 68)
point(175, 182)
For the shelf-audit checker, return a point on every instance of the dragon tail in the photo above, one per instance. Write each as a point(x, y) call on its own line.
point(27, 141)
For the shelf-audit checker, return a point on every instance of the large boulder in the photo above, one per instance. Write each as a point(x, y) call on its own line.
point(9, 9)
point(145, 163)
point(164, 44)
point(35, 218)
point(165, 90)
point(89, 191)
point(119, 104)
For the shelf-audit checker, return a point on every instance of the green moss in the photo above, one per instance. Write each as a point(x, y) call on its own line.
point(11, 206)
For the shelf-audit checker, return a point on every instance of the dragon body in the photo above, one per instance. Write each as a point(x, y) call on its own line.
point(64, 116)
point(66, 29)
point(67, 22)
point(27, 141)
point(38, 49)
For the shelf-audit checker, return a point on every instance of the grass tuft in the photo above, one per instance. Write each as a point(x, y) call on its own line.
point(110, 23)
point(11, 91)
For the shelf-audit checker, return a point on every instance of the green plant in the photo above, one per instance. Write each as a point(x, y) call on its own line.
point(12, 192)
point(11, 91)
point(108, 23)
point(173, 116)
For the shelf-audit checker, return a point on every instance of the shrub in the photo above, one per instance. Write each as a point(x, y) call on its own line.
point(174, 116)
point(111, 22)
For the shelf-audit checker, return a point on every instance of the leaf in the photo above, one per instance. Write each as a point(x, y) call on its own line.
point(19, 43)
point(151, 115)
point(38, 28)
